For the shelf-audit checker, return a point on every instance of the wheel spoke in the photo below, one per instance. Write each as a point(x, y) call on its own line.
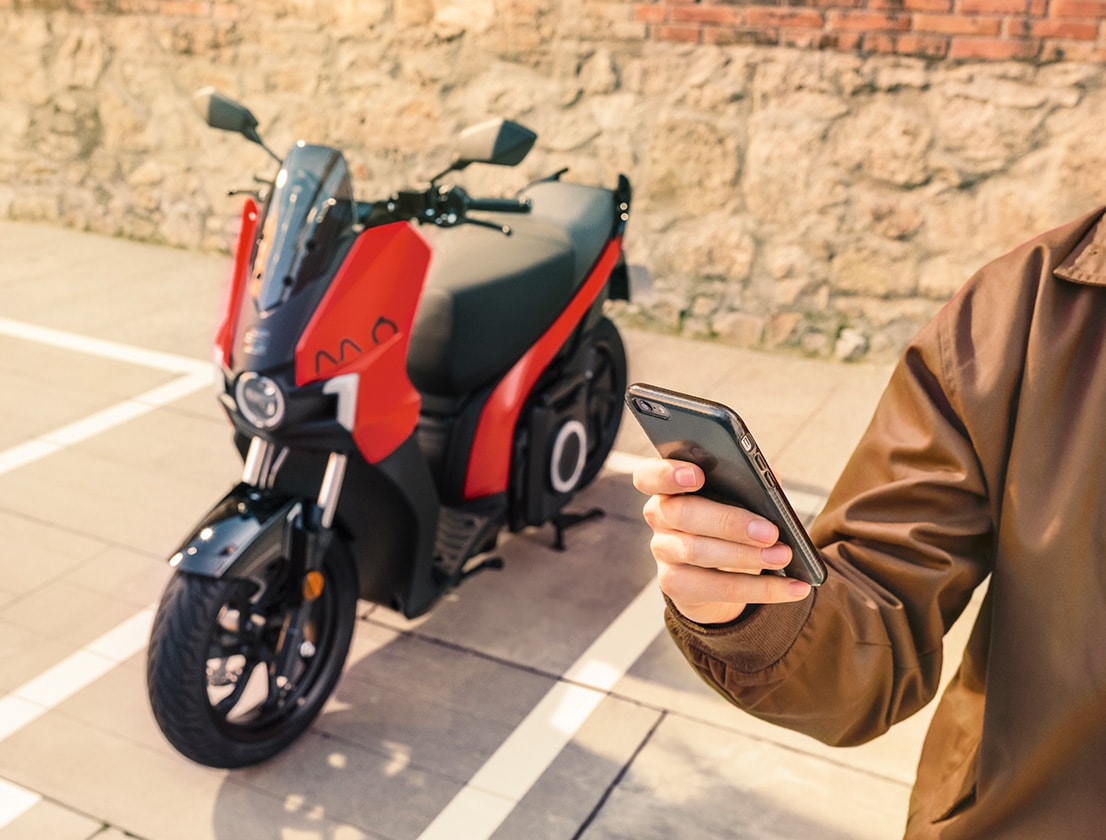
point(224, 706)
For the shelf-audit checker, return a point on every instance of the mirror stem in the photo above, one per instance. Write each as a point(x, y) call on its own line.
point(256, 138)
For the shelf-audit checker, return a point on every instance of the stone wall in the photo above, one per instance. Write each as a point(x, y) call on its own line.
point(825, 201)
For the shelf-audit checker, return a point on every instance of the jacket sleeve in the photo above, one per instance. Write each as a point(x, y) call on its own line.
point(906, 535)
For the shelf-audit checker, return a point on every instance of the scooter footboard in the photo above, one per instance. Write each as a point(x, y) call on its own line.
point(236, 534)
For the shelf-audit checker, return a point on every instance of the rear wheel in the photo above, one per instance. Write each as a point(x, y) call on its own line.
point(606, 388)
point(229, 681)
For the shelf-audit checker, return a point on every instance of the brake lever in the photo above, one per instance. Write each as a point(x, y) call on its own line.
point(504, 229)
point(455, 219)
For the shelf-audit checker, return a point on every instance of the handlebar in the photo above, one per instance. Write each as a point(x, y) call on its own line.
point(443, 206)
point(500, 205)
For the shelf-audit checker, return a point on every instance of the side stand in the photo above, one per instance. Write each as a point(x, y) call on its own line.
point(563, 521)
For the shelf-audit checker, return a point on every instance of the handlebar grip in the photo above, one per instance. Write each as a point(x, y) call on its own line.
point(500, 205)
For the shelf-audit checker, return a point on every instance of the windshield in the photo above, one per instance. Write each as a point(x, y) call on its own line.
point(310, 207)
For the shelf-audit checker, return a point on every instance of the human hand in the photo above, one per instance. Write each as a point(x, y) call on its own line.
point(710, 555)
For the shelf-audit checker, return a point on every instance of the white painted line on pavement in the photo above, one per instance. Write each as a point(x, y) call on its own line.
point(493, 793)
point(489, 797)
point(43, 693)
point(99, 347)
point(36, 697)
point(101, 421)
point(14, 802)
point(57, 684)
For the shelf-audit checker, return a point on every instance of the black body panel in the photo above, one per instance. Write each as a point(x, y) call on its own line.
point(460, 339)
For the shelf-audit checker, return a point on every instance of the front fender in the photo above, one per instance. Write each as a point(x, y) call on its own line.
point(237, 535)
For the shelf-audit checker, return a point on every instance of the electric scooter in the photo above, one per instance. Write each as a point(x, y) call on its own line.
point(407, 379)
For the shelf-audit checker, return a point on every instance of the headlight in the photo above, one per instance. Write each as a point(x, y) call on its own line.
point(260, 400)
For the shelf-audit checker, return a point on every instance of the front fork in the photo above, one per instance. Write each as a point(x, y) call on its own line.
point(307, 542)
point(263, 461)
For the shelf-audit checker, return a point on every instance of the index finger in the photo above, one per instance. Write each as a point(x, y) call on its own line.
point(662, 476)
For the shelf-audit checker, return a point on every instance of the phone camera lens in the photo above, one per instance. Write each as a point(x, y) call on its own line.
point(654, 409)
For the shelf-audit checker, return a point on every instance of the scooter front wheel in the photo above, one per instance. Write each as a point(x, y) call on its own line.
point(231, 683)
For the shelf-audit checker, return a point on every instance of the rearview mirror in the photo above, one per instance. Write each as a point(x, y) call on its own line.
point(498, 141)
point(221, 112)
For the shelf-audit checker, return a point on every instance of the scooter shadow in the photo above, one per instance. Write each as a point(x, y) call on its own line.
point(422, 704)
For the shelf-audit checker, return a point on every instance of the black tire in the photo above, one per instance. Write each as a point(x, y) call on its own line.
point(200, 646)
point(606, 391)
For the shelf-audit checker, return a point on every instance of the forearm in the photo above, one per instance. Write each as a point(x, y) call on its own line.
point(825, 666)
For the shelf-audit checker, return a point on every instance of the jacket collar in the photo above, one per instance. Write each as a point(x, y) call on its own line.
point(1087, 262)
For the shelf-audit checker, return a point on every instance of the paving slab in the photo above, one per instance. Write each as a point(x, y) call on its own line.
point(50, 821)
point(692, 781)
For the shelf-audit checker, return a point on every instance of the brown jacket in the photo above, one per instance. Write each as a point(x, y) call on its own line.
point(985, 458)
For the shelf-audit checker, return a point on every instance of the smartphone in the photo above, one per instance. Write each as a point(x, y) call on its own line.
point(715, 438)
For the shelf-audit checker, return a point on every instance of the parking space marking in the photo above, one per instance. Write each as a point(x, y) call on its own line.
point(49, 689)
point(496, 789)
point(101, 421)
point(100, 347)
point(14, 802)
point(197, 375)
point(43, 693)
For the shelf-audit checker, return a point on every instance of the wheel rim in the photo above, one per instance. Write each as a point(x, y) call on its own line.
point(255, 679)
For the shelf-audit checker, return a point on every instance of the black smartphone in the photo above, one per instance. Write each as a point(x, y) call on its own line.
point(716, 439)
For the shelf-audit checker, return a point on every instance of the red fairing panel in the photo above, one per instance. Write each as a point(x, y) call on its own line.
point(247, 235)
point(490, 459)
point(363, 326)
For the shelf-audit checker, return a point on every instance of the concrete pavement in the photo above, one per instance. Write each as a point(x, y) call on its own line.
point(541, 701)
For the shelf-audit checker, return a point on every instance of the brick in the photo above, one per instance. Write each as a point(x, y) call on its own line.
point(651, 13)
point(992, 7)
point(877, 42)
point(677, 32)
point(725, 36)
point(957, 25)
point(719, 15)
point(806, 39)
point(867, 21)
point(845, 41)
point(1075, 30)
point(993, 49)
point(1077, 9)
point(922, 46)
point(911, 5)
point(762, 16)
point(1072, 51)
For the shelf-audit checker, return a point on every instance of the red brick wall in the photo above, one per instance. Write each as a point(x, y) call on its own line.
point(999, 30)
point(1023, 30)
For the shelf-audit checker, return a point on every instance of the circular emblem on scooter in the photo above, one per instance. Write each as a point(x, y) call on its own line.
point(570, 449)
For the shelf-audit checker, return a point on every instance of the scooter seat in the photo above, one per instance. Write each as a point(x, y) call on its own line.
point(488, 297)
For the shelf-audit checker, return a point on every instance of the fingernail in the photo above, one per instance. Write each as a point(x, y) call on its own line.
point(776, 555)
point(799, 588)
point(762, 531)
point(685, 477)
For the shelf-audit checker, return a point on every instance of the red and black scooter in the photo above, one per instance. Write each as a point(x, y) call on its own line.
point(407, 378)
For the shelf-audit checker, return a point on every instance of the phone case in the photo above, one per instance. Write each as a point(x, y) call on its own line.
point(715, 438)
